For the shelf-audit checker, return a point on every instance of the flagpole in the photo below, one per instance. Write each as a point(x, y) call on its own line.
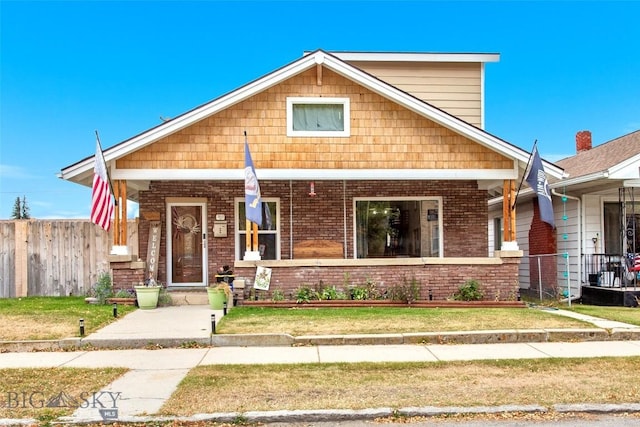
point(513, 206)
point(115, 199)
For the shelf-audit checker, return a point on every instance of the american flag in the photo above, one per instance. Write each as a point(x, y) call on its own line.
point(102, 202)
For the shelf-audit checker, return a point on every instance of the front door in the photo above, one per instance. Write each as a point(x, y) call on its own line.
point(186, 244)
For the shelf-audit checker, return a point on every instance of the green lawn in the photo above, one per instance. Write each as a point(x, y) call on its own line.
point(629, 315)
point(365, 320)
point(38, 318)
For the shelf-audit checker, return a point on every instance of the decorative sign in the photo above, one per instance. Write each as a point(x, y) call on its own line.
point(153, 250)
point(263, 278)
point(432, 214)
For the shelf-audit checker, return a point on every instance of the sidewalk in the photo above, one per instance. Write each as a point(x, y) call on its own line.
point(145, 389)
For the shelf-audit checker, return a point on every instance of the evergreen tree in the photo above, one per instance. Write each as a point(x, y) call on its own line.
point(20, 209)
point(25, 208)
point(15, 214)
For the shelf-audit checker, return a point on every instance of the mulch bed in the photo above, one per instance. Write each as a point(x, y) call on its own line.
point(385, 303)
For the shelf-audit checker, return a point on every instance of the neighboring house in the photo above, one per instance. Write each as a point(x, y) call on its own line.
point(373, 165)
point(597, 213)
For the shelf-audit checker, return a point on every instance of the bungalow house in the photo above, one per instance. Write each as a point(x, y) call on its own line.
point(374, 166)
point(590, 255)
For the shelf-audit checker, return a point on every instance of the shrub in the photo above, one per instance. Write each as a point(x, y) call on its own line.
point(305, 294)
point(277, 295)
point(103, 288)
point(408, 291)
point(469, 291)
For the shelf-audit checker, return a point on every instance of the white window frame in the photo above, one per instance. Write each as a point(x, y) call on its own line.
point(346, 103)
point(240, 244)
point(439, 224)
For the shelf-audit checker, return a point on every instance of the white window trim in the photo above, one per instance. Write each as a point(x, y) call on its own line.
point(240, 243)
point(346, 102)
point(401, 198)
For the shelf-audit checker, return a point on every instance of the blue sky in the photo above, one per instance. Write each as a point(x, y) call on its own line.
point(71, 68)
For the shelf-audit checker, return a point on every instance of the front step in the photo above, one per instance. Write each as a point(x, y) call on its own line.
point(196, 296)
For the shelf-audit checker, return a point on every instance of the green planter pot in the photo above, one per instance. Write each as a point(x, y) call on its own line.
point(217, 298)
point(147, 296)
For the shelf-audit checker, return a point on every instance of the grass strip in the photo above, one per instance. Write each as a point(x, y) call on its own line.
point(629, 315)
point(210, 389)
point(26, 392)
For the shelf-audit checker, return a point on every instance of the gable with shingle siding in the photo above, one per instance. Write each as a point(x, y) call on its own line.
point(384, 135)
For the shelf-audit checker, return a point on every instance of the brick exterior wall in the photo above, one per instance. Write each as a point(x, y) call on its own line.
point(124, 276)
point(498, 282)
point(322, 217)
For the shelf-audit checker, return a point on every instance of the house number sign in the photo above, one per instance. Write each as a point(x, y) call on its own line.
point(153, 249)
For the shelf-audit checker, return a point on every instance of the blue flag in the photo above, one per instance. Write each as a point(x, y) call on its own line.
point(537, 180)
point(252, 199)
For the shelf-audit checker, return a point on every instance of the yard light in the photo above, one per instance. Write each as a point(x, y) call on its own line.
point(224, 308)
point(81, 327)
point(213, 324)
point(115, 309)
point(430, 295)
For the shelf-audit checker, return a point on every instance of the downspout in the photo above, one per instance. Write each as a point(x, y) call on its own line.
point(290, 219)
point(344, 213)
point(580, 222)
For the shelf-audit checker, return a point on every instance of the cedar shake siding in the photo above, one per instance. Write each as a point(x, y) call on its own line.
point(383, 136)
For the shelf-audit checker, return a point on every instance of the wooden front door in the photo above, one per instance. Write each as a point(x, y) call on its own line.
point(187, 244)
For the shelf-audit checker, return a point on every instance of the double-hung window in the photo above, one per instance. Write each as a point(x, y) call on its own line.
point(268, 231)
point(315, 116)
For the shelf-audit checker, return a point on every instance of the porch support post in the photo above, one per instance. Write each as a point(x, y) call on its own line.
point(509, 211)
point(120, 218)
point(116, 213)
point(123, 216)
point(255, 237)
point(251, 242)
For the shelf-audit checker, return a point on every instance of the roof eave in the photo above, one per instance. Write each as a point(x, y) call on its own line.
point(414, 56)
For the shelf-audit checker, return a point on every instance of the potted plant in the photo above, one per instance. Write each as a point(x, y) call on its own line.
point(218, 294)
point(147, 294)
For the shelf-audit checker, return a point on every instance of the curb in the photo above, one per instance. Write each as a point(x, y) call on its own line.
point(286, 340)
point(329, 415)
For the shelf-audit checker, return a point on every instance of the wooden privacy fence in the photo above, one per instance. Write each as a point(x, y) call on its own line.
point(55, 257)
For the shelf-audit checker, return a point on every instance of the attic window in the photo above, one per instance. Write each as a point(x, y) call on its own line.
point(318, 117)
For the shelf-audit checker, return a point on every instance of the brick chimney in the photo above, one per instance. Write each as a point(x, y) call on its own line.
point(583, 141)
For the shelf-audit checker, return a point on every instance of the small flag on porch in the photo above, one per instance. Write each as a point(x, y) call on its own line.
point(102, 201)
point(252, 199)
point(537, 180)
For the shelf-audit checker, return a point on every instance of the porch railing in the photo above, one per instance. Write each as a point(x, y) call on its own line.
point(609, 270)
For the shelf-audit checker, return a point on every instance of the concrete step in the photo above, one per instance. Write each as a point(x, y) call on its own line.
point(189, 296)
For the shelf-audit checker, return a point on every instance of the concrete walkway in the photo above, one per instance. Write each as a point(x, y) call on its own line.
point(145, 388)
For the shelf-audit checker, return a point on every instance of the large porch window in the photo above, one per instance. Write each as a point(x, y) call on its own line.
point(398, 227)
point(268, 231)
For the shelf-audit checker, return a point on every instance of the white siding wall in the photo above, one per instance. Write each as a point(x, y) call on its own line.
point(568, 238)
point(593, 224)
